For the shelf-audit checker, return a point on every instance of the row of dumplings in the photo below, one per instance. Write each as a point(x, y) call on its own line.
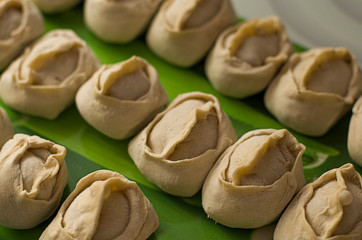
point(247, 186)
point(33, 175)
point(249, 182)
point(120, 99)
point(309, 94)
point(169, 158)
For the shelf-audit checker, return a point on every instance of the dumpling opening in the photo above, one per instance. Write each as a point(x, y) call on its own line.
point(168, 132)
point(10, 19)
point(131, 86)
point(57, 68)
point(254, 44)
point(32, 168)
point(259, 161)
point(191, 13)
point(333, 209)
point(114, 217)
point(331, 76)
point(255, 49)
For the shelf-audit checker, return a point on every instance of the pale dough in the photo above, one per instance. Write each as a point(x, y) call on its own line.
point(20, 23)
point(104, 205)
point(33, 175)
point(178, 148)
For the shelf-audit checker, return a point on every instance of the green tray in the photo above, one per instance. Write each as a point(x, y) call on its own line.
point(89, 150)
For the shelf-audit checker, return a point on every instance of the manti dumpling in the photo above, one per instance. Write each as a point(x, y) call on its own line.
point(328, 208)
point(355, 133)
point(121, 99)
point(119, 21)
point(44, 80)
point(33, 175)
point(255, 179)
point(184, 30)
point(246, 57)
point(315, 89)
point(55, 6)
point(103, 205)
point(6, 128)
point(178, 148)
point(20, 23)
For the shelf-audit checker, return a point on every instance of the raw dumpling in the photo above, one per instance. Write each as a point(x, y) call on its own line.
point(254, 180)
point(119, 21)
point(121, 99)
point(328, 208)
point(103, 205)
point(355, 133)
point(20, 23)
point(33, 175)
point(315, 89)
point(246, 57)
point(44, 80)
point(178, 148)
point(184, 30)
point(6, 128)
point(55, 6)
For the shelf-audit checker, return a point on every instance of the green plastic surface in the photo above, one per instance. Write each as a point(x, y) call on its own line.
point(89, 150)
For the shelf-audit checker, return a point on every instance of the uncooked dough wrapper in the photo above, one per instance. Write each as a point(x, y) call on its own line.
point(119, 21)
point(44, 80)
point(255, 179)
point(184, 30)
point(20, 23)
point(178, 148)
point(246, 57)
point(121, 99)
point(315, 89)
point(103, 205)
point(328, 208)
point(33, 175)
point(354, 133)
point(6, 128)
point(55, 6)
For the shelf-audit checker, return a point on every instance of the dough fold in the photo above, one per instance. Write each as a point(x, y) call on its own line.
point(328, 208)
point(247, 56)
point(184, 30)
point(254, 179)
point(315, 89)
point(33, 175)
point(119, 21)
point(20, 23)
point(104, 205)
point(55, 6)
point(44, 80)
point(121, 99)
point(178, 148)
point(354, 133)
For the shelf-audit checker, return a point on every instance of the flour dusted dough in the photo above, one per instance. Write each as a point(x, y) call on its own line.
point(254, 180)
point(6, 128)
point(354, 133)
point(328, 208)
point(246, 57)
point(179, 147)
point(119, 21)
point(20, 23)
point(43, 81)
point(121, 99)
point(55, 6)
point(184, 30)
point(104, 205)
point(315, 89)
point(33, 175)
